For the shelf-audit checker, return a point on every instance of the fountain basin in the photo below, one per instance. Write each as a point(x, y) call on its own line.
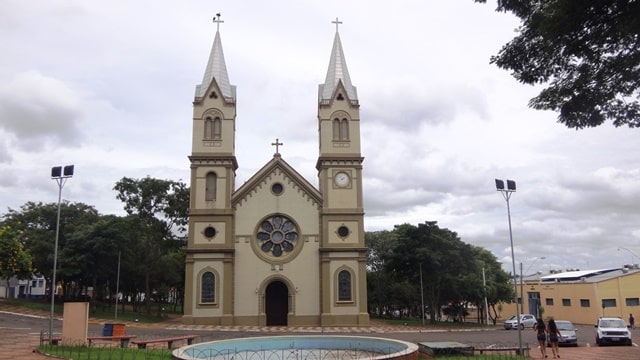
point(300, 347)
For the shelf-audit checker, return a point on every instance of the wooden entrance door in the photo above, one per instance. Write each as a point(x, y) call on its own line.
point(277, 304)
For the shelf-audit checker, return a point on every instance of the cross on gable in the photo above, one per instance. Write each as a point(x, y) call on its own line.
point(277, 145)
point(337, 22)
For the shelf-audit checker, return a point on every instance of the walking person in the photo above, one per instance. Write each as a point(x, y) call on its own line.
point(541, 335)
point(632, 321)
point(554, 335)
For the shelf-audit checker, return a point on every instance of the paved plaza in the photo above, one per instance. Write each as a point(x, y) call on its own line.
point(20, 339)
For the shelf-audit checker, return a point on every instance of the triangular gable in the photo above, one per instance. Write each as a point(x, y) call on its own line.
point(262, 176)
point(214, 87)
point(339, 88)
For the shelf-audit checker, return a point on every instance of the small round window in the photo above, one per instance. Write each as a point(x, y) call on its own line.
point(277, 188)
point(343, 231)
point(209, 231)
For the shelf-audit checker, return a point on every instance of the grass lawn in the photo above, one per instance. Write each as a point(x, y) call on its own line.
point(102, 311)
point(104, 353)
point(427, 324)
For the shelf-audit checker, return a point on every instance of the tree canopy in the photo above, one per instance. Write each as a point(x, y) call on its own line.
point(157, 205)
point(148, 243)
point(427, 262)
point(37, 221)
point(588, 54)
point(15, 260)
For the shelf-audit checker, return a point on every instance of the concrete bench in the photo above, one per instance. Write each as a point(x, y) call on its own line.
point(142, 344)
point(508, 349)
point(124, 339)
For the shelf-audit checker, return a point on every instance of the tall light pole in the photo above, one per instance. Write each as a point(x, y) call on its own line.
point(486, 303)
point(60, 175)
point(506, 193)
point(421, 294)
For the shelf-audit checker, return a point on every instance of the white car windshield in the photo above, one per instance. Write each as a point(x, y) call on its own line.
point(614, 323)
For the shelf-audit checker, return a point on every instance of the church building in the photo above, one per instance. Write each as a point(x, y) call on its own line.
point(276, 251)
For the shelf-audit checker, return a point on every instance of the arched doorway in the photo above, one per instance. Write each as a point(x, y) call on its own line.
point(277, 304)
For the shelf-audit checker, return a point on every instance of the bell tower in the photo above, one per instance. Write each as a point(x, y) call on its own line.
point(339, 165)
point(213, 166)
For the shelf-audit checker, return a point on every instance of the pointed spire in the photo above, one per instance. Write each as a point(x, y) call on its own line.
point(337, 71)
point(216, 68)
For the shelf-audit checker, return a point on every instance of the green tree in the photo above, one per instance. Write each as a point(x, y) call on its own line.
point(381, 298)
point(161, 207)
point(497, 286)
point(15, 260)
point(90, 255)
point(587, 52)
point(37, 221)
point(434, 257)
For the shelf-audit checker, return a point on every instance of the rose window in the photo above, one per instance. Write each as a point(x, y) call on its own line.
point(277, 235)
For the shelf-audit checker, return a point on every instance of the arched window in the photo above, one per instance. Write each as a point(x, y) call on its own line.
point(208, 129)
point(340, 129)
point(344, 129)
point(211, 187)
point(344, 286)
point(336, 129)
point(217, 128)
point(208, 289)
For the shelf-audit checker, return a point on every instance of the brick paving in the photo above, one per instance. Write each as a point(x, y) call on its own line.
point(20, 346)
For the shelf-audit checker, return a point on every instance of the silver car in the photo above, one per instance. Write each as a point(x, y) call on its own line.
point(526, 321)
point(568, 332)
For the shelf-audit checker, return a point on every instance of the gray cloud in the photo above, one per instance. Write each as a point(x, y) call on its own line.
point(108, 86)
point(40, 110)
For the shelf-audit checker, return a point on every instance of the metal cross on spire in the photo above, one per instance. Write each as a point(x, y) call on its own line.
point(217, 21)
point(277, 144)
point(337, 22)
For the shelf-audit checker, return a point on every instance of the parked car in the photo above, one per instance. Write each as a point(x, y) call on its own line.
point(612, 330)
point(526, 321)
point(568, 332)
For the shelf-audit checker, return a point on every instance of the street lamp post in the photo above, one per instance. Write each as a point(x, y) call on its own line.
point(506, 193)
point(630, 252)
point(60, 175)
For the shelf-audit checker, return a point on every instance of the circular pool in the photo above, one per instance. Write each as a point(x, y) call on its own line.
point(311, 347)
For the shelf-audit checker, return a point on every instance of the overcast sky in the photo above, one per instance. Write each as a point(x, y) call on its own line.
point(108, 86)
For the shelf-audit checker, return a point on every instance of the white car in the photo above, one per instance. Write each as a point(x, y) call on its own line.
point(526, 321)
point(612, 330)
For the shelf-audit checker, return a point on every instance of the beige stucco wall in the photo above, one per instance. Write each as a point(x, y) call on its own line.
point(341, 198)
point(216, 265)
point(75, 323)
point(200, 186)
point(340, 110)
point(300, 270)
point(209, 107)
point(344, 261)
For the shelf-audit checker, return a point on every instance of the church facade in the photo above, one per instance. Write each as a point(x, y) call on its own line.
point(276, 251)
